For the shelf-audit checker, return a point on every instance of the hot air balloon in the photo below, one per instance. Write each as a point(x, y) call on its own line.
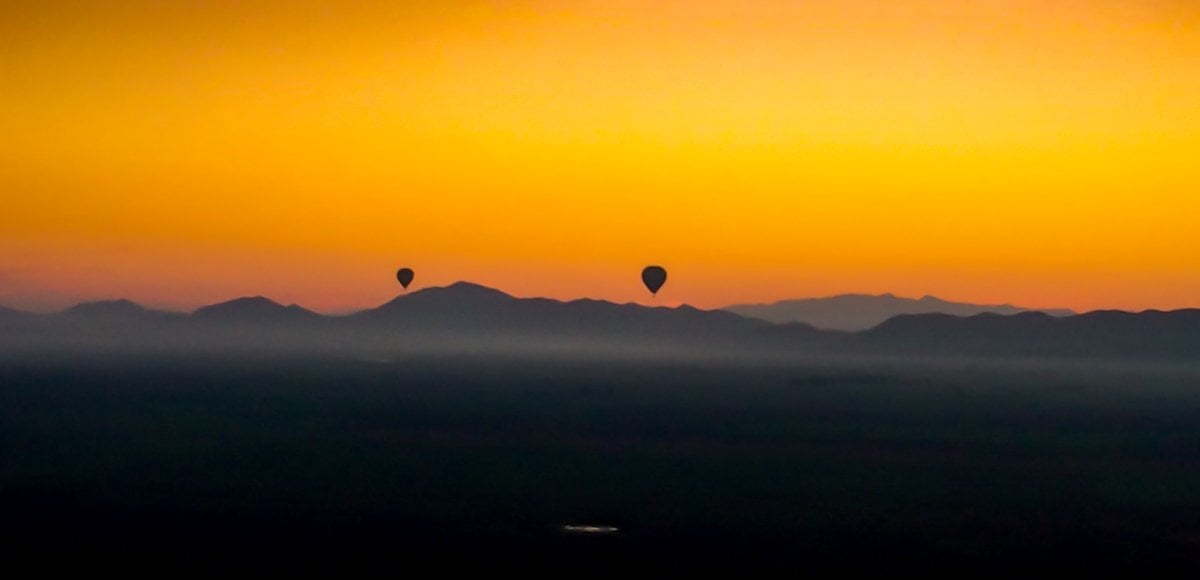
point(654, 277)
point(405, 277)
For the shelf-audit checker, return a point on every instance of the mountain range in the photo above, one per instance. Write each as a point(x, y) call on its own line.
point(470, 317)
point(856, 312)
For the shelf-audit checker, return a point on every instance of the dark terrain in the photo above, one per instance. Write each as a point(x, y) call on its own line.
point(469, 317)
point(290, 462)
point(858, 312)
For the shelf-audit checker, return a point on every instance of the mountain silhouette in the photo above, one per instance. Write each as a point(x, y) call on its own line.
point(113, 309)
point(856, 312)
point(472, 311)
point(11, 317)
point(254, 310)
point(469, 317)
point(112, 317)
point(89, 324)
point(1098, 334)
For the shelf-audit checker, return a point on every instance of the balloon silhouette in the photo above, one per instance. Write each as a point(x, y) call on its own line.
point(405, 277)
point(654, 277)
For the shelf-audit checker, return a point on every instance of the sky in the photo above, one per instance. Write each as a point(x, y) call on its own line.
point(1043, 153)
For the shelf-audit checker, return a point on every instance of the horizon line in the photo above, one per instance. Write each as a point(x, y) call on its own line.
point(682, 304)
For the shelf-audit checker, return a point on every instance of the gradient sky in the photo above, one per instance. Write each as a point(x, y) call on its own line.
point(1045, 153)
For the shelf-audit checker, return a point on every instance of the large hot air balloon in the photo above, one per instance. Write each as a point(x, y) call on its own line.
point(654, 277)
point(405, 277)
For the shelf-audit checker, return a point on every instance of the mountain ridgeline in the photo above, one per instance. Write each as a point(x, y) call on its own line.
point(855, 312)
point(255, 311)
point(465, 317)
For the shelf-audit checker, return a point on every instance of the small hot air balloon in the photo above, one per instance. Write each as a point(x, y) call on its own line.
point(654, 277)
point(405, 277)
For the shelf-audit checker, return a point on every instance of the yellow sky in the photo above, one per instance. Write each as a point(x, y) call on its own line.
point(1037, 152)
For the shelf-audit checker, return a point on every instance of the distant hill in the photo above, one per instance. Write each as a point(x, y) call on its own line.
point(856, 312)
point(12, 315)
point(471, 311)
point(113, 316)
point(462, 316)
point(110, 309)
point(1107, 334)
point(88, 323)
point(465, 317)
point(254, 310)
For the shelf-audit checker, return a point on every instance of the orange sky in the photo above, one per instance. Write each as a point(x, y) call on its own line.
point(1045, 153)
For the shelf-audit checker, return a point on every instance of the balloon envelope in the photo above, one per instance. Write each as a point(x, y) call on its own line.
point(654, 277)
point(405, 277)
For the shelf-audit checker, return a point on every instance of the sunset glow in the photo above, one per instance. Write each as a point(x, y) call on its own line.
point(1044, 153)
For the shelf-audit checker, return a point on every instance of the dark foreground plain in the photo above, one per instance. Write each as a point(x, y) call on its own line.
point(177, 463)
